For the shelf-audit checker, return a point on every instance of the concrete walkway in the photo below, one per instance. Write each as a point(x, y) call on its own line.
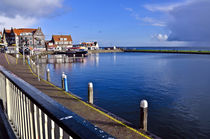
point(102, 120)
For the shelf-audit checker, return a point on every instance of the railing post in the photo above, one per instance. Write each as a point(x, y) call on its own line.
point(52, 129)
point(60, 133)
point(25, 126)
point(28, 117)
point(143, 114)
point(90, 92)
point(36, 122)
point(48, 75)
point(31, 111)
point(8, 98)
point(40, 124)
point(45, 126)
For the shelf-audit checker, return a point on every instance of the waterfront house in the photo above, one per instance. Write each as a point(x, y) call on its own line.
point(91, 45)
point(1, 40)
point(27, 37)
point(6, 36)
point(59, 42)
point(88, 45)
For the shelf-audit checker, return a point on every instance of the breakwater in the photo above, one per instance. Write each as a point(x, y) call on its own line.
point(104, 51)
point(170, 51)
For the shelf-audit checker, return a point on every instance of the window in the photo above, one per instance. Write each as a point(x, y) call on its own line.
point(61, 39)
point(65, 39)
point(50, 44)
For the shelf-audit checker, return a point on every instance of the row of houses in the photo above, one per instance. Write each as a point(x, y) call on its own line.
point(34, 39)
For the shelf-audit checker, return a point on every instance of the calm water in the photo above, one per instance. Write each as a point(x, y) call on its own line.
point(177, 87)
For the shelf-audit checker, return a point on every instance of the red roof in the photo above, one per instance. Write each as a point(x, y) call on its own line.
point(57, 38)
point(23, 30)
point(8, 31)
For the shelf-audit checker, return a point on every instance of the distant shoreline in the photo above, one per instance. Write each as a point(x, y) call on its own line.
point(170, 51)
point(105, 51)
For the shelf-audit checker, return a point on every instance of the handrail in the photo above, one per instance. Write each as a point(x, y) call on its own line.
point(68, 121)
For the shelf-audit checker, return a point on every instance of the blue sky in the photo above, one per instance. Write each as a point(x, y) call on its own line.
point(114, 22)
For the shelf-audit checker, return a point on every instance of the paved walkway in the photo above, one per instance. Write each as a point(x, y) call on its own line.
point(104, 121)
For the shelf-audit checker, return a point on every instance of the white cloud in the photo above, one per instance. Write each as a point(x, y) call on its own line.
point(29, 7)
point(153, 21)
point(25, 13)
point(168, 7)
point(17, 21)
point(148, 20)
point(160, 37)
point(129, 9)
point(133, 13)
point(162, 8)
point(187, 21)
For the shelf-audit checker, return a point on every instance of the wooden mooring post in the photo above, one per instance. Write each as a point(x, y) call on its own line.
point(37, 59)
point(143, 114)
point(90, 92)
point(62, 80)
point(48, 75)
point(66, 84)
point(38, 74)
point(34, 67)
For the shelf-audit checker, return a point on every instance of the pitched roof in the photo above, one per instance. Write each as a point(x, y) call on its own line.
point(57, 37)
point(21, 30)
point(7, 31)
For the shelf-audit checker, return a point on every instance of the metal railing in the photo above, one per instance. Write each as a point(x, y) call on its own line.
point(34, 115)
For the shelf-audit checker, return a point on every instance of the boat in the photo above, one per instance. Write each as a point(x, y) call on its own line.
point(77, 51)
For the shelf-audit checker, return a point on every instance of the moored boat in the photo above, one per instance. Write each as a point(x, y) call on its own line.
point(77, 50)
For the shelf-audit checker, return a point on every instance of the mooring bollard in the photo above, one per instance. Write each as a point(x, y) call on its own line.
point(143, 114)
point(90, 92)
point(34, 67)
point(48, 75)
point(23, 58)
point(37, 69)
point(28, 60)
point(65, 83)
point(62, 80)
point(65, 60)
point(37, 59)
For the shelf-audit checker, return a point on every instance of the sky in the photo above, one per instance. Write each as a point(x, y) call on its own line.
point(114, 22)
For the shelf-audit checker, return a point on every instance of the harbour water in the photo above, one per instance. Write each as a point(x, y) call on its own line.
point(177, 87)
